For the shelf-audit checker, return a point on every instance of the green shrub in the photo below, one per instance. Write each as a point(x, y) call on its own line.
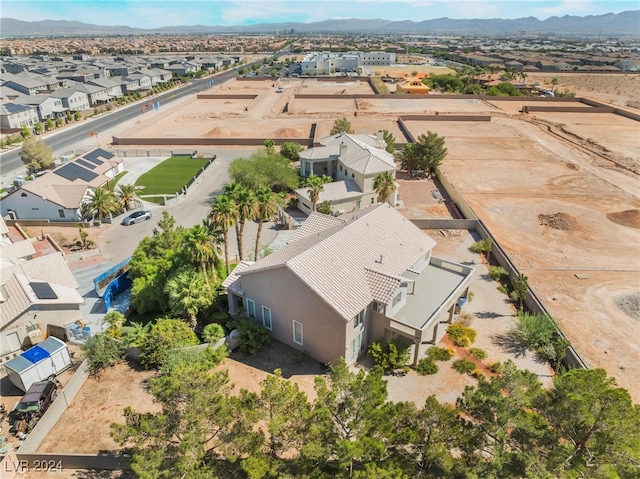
point(463, 366)
point(461, 335)
point(538, 333)
point(426, 366)
point(439, 354)
point(391, 357)
point(253, 336)
point(476, 373)
point(165, 335)
point(478, 353)
point(503, 289)
point(496, 273)
point(212, 332)
point(102, 352)
point(496, 367)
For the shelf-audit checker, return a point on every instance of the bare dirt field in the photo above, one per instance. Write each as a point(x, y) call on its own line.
point(616, 89)
point(401, 71)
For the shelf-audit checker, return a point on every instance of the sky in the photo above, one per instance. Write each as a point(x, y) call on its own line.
point(158, 13)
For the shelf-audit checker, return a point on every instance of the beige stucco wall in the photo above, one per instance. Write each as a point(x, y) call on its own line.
point(288, 298)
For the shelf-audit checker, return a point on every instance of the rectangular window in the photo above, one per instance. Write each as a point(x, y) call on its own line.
point(251, 308)
point(61, 213)
point(378, 307)
point(297, 332)
point(266, 317)
point(359, 319)
point(397, 299)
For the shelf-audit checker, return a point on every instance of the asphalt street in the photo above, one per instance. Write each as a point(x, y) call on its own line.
point(67, 139)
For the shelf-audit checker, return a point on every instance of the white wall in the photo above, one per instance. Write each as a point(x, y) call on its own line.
point(33, 207)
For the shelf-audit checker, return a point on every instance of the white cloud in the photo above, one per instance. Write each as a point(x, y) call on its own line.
point(566, 7)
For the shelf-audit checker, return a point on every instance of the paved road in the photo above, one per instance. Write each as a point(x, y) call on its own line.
point(65, 140)
point(118, 242)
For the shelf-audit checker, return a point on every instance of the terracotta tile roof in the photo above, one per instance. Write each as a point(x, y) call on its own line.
point(350, 264)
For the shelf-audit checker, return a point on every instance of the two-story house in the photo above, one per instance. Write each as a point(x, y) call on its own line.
point(343, 282)
point(353, 162)
point(48, 107)
point(72, 99)
point(15, 116)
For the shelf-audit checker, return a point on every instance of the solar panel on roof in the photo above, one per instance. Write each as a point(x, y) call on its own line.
point(43, 290)
point(86, 164)
point(93, 156)
point(73, 171)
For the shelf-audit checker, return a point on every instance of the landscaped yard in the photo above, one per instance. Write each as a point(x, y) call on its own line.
point(170, 176)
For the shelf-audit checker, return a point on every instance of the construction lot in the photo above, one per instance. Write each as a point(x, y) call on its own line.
point(515, 171)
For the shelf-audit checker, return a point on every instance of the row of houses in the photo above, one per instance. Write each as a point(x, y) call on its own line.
point(39, 88)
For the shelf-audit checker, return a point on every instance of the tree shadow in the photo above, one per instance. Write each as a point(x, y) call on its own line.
point(489, 315)
point(103, 474)
point(510, 344)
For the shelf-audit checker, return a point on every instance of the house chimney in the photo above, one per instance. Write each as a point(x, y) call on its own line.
point(380, 135)
point(343, 149)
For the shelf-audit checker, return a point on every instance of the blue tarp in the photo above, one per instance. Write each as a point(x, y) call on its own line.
point(35, 354)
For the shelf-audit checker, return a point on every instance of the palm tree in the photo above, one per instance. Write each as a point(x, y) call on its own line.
point(115, 321)
point(266, 208)
point(384, 184)
point(188, 294)
point(408, 157)
point(232, 190)
point(315, 185)
point(246, 207)
point(198, 242)
point(126, 193)
point(223, 216)
point(100, 203)
point(554, 82)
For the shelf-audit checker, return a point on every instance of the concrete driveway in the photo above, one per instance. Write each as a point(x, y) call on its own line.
point(119, 242)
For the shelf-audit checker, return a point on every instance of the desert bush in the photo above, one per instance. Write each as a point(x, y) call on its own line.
point(478, 353)
point(391, 357)
point(440, 354)
point(538, 333)
point(463, 366)
point(461, 335)
point(496, 367)
point(503, 289)
point(465, 318)
point(165, 335)
point(101, 352)
point(476, 373)
point(496, 273)
point(426, 366)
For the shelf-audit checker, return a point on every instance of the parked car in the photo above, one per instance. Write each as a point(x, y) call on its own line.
point(137, 217)
point(32, 406)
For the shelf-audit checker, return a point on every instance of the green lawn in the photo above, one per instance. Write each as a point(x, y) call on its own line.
point(169, 176)
point(114, 181)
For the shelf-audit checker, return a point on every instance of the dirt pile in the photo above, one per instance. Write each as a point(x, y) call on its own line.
point(629, 218)
point(217, 132)
point(558, 221)
point(289, 133)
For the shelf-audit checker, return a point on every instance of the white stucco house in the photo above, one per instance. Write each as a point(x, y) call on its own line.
point(58, 195)
point(353, 162)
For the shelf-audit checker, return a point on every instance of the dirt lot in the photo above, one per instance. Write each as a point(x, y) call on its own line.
point(617, 89)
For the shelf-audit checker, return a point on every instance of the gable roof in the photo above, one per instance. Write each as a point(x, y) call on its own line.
point(352, 260)
point(364, 153)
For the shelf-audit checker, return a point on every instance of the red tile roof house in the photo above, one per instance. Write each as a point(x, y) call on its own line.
point(343, 282)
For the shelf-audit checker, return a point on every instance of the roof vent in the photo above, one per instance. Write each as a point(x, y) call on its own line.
point(380, 260)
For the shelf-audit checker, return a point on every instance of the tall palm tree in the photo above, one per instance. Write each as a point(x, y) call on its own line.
point(315, 185)
point(384, 184)
point(223, 216)
point(246, 204)
point(266, 208)
point(408, 157)
point(216, 236)
point(188, 294)
point(126, 194)
point(198, 242)
point(100, 203)
point(232, 190)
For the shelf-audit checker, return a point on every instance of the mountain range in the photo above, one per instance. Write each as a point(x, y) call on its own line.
point(608, 25)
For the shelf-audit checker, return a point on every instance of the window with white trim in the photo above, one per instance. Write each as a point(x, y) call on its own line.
point(266, 317)
point(297, 332)
point(378, 307)
point(358, 319)
point(251, 308)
